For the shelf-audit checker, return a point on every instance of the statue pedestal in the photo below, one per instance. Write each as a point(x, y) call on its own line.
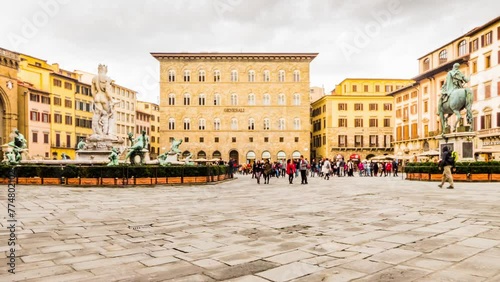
point(145, 153)
point(460, 142)
point(97, 148)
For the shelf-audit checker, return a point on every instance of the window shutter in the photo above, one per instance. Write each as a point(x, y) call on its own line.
point(482, 122)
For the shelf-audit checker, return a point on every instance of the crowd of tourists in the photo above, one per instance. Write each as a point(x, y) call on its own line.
point(325, 168)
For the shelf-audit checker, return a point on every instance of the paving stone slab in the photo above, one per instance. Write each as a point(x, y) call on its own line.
point(408, 227)
point(230, 272)
point(289, 271)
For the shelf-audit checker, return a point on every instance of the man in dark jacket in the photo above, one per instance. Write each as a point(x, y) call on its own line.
point(230, 168)
point(447, 163)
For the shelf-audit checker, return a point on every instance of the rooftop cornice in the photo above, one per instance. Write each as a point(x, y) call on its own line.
point(235, 56)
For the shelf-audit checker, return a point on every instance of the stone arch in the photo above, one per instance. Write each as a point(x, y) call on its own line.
point(369, 156)
point(216, 155)
point(201, 155)
point(233, 154)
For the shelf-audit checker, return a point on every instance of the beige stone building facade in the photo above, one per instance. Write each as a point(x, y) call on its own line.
point(316, 93)
point(244, 106)
point(417, 125)
point(356, 119)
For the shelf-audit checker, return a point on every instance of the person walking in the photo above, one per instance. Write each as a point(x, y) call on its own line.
point(313, 167)
point(303, 170)
point(388, 168)
point(267, 170)
point(230, 170)
point(361, 169)
point(258, 171)
point(325, 169)
point(368, 169)
point(446, 164)
point(395, 168)
point(290, 170)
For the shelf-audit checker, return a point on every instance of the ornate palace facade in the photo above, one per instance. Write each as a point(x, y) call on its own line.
point(417, 124)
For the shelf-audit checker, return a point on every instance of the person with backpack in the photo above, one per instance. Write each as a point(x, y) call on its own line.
point(447, 163)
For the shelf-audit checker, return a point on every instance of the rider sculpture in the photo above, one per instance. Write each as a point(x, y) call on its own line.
point(455, 79)
point(455, 98)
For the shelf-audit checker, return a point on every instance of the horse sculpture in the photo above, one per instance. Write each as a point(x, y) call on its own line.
point(458, 100)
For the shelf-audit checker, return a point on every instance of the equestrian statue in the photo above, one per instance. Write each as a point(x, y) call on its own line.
point(454, 98)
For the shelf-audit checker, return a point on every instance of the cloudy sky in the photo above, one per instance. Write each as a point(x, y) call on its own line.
point(370, 38)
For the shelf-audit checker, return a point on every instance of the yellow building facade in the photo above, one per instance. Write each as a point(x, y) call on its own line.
point(355, 119)
point(417, 123)
point(244, 106)
point(69, 102)
point(148, 119)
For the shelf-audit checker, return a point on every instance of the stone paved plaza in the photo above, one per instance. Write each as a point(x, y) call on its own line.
point(344, 229)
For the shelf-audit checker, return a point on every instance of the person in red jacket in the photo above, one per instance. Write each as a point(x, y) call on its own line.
point(388, 169)
point(290, 170)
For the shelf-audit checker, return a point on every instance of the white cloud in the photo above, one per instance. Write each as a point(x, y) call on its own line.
point(82, 34)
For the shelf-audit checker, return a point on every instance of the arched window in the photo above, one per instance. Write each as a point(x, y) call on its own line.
point(201, 76)
point(217, 100)
point(187, 124)
point(202, 100)
point(427, 63)
point(251, 124)
point(202, 155)
point(296, 99)
point(296, 76)
point(171, 76)
point(187, 76)
point(281, 99)
point(266, 76)
point(187, 99)
point(267, 99)
point(216, 155)
point(217, 124)
point(296, 123)
point(171, 99)
point(251, 76)
point(201, 124)
point(267, 124)
point(216, 75)
point(234, 76)
point(171, 124)
point(234, 99)
point(234, 124)
point(462, 48)
point(443, 56)
point(281, 124)
point(251, 99)
point(281, 76)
